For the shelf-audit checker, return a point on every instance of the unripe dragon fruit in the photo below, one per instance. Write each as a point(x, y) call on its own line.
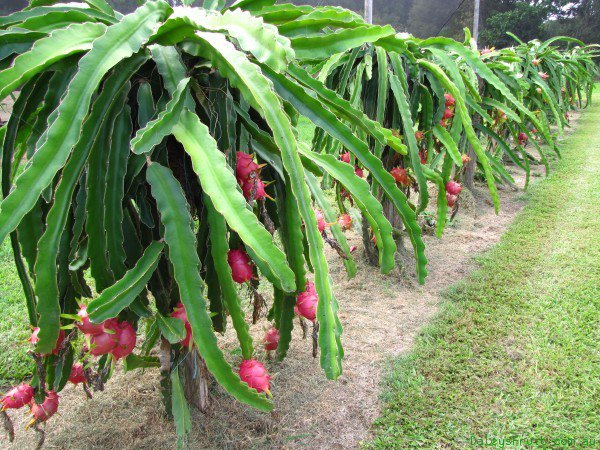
point(126, 338)
point(34, 339)
point(345, 221)
point(17, 397)
point(45, 410)
point(255, 375)
point(486, 50)
point(400, 176)
point(180, 313)
point(451, 199)
point(245, 166)
point(536, 62)
point(543, 75)
point(453, 188)
point(241, 266)
point(105, 342)
point(419, 135)
point(85, 325)
point(271, 339)
point(345, 157)
point(306, 302)
point(465, 158)
point(443, 123)
point(77, 376)
point(449, 100)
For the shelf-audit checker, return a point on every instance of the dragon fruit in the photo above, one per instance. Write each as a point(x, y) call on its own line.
point(448, 114)
point(85, 326)
point(453, 188)
point(321, 223)
point(400, 176)
point(241, 266)
point(451, 199)
point(345, 221)
point(306, 302)
point(105, 342)
point(245, 166)
point(255, 375)
point(17, 397)
point(248, 186)
point(77, 376)
point(180, 313)
point(126, 338)
point(45, 410)
point(34, 339)
point(271, 339)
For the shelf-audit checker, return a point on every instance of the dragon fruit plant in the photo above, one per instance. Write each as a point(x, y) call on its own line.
point(458, 112)
point(157, 151)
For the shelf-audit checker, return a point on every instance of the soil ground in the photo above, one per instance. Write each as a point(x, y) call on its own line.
point(381, 315)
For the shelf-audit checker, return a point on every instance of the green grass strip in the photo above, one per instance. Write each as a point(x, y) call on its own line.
point(513, 354)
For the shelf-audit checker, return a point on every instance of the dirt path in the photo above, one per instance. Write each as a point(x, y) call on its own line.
point(381, 316)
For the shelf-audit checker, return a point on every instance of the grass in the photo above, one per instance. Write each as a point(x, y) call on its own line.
point(15, 365)
point(514, 350)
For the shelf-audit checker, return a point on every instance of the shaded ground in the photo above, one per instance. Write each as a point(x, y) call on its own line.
point(381, 315)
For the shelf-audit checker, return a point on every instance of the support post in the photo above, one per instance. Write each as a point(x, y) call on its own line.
point(475, 21)
point(369, 11)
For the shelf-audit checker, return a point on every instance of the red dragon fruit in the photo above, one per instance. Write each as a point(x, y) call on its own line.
point(105, 342)
point(448, 114)
point(453, 188)
point(77, 376)
point(345, 221)
point(306, 302)
point(248, 186)
point(449, 100)
point(85, 325)
point(241, 266)
point(451, 199)
point(255, 375)
point(180, 313)
point(33, 339)
point(345, 157)
point(400, 176)
point(419, 135)
point(359, 172)
point(543, 75)
point(125, 340)
point(271, 339)
point(42, 412)
point(443, 123)
point(17, 397)
point(486, 50)
point(245, 166)
point(523, 138)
